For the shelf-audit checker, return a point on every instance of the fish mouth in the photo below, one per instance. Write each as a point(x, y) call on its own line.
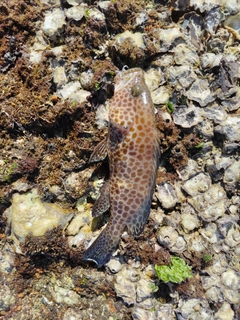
point(128, 78)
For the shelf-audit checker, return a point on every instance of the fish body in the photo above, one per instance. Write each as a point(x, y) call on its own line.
point(133, 150)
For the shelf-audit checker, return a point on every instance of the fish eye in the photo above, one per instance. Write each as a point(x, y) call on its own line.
point(136, 90)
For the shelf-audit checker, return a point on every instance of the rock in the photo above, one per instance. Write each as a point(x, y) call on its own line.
point(225, 312)
point(229, 129)
point(54, 23)
point(187, 117)
point(181, 76)
point(76, 12)
point(72, 91)
point(189, 218)
point(28, 214)
point(200, 92)
point(167, 196)
point(169, 238)
point(168, 39)
point(198, 184)
point(195, 309)
point(184, 56)
point(211, 204)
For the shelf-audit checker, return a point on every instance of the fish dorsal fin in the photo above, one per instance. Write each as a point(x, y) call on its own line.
point(102, 204)
point(117, 133)
point(99, 152)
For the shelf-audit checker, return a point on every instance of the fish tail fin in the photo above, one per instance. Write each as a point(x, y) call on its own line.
point(101, 250)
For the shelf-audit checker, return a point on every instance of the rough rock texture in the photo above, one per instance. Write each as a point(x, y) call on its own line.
point(58, 60)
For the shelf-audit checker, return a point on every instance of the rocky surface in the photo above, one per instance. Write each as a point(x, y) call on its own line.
point(58, 60)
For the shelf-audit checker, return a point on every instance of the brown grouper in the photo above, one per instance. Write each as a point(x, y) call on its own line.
point(132, 147)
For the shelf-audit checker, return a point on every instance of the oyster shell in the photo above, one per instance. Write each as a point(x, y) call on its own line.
point(232, 23)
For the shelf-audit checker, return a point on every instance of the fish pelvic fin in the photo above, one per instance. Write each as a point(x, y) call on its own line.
point(102, 204)
point(101, 250)
point(99, 152)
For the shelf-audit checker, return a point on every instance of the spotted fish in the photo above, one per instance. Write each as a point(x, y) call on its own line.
point(132, 147)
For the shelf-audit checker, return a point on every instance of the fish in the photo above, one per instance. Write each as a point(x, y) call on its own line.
point(132, 147)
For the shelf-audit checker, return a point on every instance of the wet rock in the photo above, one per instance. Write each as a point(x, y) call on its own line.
point(7, 260)
point(74, 2)
point(29, 215)
point(198, 184)
point(166, 195)
point(196, 242)
point(216, 166)
point(80, 226)
point(192, 169)
point(102, 116)
point(231, 102)
point(86, 78)
point(72, 314)
point(144, 290)
point(96, 15)
point(203, 5)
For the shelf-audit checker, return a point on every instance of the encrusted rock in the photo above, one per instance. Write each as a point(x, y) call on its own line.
point(195, 309)
point(200, 92)
point(198, 184)
point(54, 23)
point(76, 12)
point(166, 194)
point(211, 204)
point(28, 214)
point(187, 117)
point(169, 238)
point(229, 128)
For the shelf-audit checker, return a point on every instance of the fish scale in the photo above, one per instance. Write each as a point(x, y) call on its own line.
point(132, 146)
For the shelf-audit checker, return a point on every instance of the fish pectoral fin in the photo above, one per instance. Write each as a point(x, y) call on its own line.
point(117, 133)
point(102, 204)
point(99, 152)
